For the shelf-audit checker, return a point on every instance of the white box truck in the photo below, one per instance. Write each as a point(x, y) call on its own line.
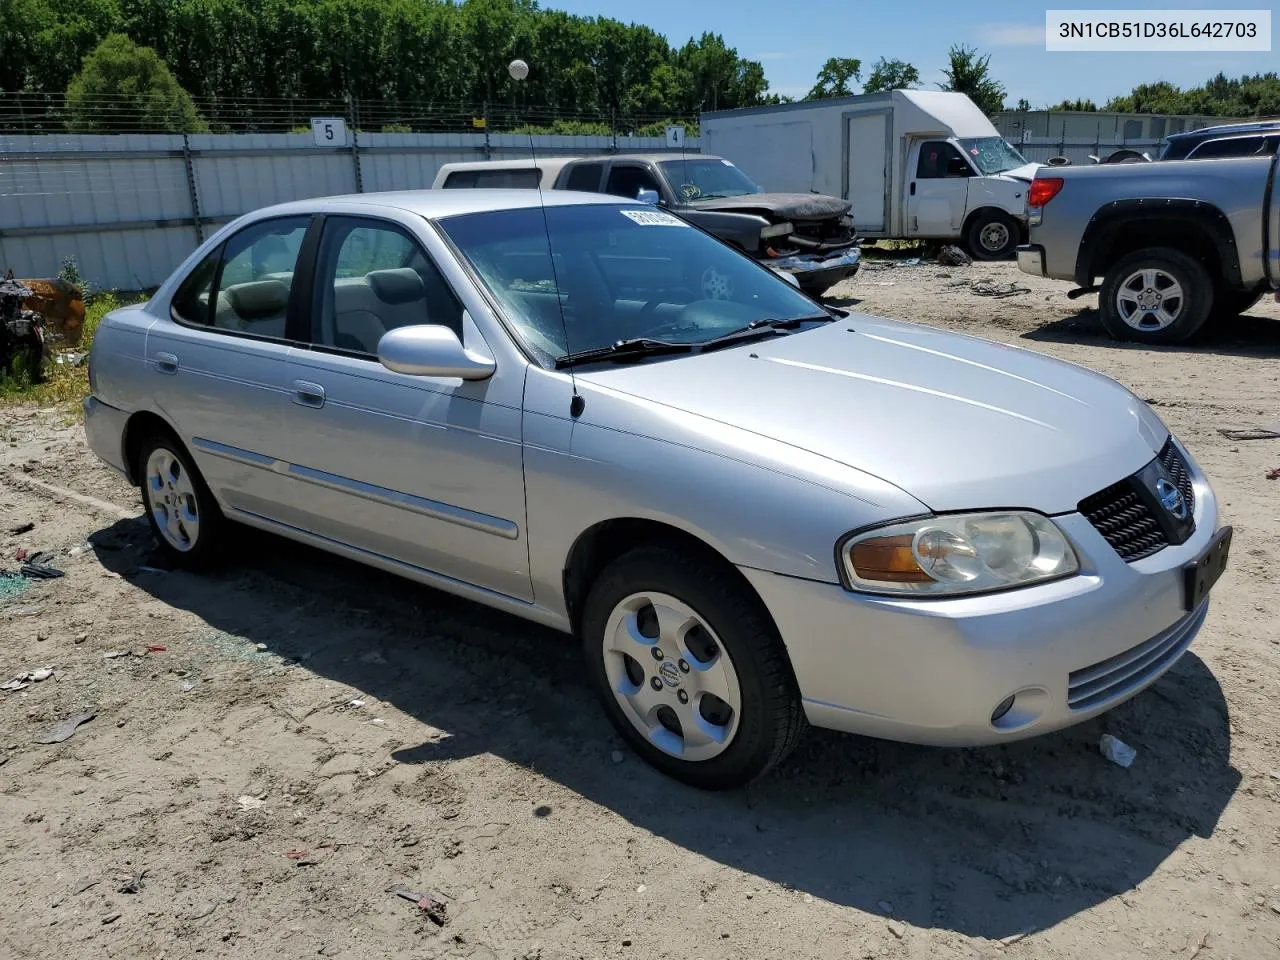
point(914, 163)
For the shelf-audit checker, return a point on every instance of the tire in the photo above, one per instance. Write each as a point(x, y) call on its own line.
point(993, 235)
point(720, 638)
point(1232, 303)
point(1130, 308)
point(172, 487)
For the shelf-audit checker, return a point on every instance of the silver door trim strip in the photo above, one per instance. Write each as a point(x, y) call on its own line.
point(483, 522)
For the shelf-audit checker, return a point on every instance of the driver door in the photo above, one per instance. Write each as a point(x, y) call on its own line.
point(938, 194)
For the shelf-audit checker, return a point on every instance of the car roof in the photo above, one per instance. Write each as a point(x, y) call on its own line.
point(524, 163)
point(1252, 126)
point(436, 204)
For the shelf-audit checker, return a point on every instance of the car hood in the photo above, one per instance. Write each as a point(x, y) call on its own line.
point(784, 206)
point(1026, 172)
point(956, 422)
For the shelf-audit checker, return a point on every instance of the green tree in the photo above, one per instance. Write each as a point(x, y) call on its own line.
point(970, 74)
point(1086, 106)
point(122, 87)
point(834, 78)
point(892, 75)
point(1023, 104)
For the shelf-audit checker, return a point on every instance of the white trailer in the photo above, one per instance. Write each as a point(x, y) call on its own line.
point(914, 163)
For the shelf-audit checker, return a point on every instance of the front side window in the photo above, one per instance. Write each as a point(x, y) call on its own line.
point(628, 181)
point(939, 160)
point(620, 272)
point(707, 179)
point(371, 277)
point(246, 284)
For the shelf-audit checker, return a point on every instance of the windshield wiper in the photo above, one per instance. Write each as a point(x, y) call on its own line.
point(624, 349)
point(765, 327)
point(649, 347)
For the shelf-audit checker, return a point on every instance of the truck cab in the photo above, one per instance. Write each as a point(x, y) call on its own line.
point(913, 163)
point(972, 188)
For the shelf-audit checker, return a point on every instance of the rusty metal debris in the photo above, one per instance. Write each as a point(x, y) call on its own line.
point(35, 314)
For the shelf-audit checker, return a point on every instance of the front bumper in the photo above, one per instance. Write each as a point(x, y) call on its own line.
point(933, 672)
point(816, 271)
point(104, 428)
point(1031, 259)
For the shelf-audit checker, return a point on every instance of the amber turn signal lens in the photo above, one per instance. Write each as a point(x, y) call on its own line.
point(887, 560)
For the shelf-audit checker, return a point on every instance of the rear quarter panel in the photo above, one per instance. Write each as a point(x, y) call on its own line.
point(1235, 186)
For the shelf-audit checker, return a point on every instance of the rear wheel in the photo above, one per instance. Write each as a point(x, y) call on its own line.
point(1156, 295)
point(690, 668)
point(183, 514)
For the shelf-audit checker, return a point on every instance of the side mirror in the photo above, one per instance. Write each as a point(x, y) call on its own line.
point(645, 195)
point(430, 350)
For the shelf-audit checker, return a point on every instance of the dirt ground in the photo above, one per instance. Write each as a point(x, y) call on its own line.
point(280, 744)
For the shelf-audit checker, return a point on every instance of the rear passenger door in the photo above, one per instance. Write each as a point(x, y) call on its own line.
point(218, 366)
point(426, 471)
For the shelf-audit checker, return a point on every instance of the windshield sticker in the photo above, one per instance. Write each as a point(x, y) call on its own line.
point(653, 218)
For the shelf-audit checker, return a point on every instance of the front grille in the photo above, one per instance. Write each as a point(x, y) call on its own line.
point(1124, 516)
point(1116, 677)
point(1178, 472)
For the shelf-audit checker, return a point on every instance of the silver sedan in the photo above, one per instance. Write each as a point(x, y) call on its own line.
point(754, 510)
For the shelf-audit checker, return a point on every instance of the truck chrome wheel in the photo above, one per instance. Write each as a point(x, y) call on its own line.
point(671, 676)
point(1149, 299)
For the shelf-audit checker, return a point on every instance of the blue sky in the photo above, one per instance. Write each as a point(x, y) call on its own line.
point(792, 39)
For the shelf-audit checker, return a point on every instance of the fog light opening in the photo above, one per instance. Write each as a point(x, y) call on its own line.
point(1003, 707)
point(1020, 709)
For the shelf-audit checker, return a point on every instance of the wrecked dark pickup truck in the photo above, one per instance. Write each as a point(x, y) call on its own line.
point(806, 235)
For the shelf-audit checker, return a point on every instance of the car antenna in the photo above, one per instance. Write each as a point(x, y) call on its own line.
point(519, 70)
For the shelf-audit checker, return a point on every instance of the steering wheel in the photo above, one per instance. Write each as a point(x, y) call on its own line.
point(690, 191)
point(716, 285)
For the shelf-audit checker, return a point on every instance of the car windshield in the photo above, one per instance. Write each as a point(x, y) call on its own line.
point(621, 272)
point(991, 154)
point(703, 178)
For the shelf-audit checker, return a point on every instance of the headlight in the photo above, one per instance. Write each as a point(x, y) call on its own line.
point(958, 554)
point(777, 230)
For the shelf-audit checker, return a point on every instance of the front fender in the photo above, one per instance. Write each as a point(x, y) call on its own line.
point(758, 502)
point(740, 229)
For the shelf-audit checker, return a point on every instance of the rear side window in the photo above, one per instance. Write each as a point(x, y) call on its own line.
point(246, 284)
point(585, 177)
point(523, 178)
point(1232, 147)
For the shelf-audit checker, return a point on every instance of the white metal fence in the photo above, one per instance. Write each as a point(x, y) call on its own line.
point(1078, 149)
point(130, 207)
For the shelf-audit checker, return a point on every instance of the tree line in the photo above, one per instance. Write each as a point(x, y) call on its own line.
point(420, 51)
point(192, 64)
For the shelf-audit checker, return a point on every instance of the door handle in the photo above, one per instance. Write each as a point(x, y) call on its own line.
point(913, 188)
point(308, 394)
point(166, 362)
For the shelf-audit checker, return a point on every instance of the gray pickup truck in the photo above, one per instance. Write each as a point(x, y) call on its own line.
point(807, 235)
point(1172, 243)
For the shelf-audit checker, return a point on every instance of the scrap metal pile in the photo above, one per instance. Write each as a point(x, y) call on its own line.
point(33, 314)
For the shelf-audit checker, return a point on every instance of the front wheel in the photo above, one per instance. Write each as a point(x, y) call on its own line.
point(690, 668)
point(993, 235)
point(1157, 295)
